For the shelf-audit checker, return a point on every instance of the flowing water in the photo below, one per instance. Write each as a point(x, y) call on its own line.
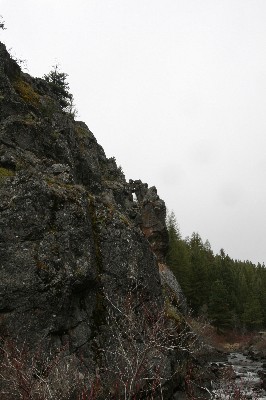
point(241, 378)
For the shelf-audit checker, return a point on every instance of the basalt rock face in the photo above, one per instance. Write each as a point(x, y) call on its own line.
point(70, 230)
point(153, 214)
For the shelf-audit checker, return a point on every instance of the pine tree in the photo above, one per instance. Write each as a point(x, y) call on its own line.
point(253, 315)
point(2, 23)
point(199, 282)
point(232, 292)
point(178, 254)
point(60, 87)
point(219, 309)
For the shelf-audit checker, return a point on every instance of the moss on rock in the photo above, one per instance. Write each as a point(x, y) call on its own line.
point(26, 92)
point(5, 173)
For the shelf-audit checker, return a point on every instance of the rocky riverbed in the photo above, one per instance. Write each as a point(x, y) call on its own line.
point(241, 377)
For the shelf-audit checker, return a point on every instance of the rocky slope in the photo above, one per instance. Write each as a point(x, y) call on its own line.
point(72, 239)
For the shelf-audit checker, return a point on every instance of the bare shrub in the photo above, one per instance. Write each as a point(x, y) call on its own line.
point(138, 350)
point(142, 339)
point(32, 374)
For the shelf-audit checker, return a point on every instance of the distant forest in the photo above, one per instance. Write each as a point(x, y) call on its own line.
point(231, 294)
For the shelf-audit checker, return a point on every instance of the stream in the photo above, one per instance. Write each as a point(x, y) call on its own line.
point(240, 378)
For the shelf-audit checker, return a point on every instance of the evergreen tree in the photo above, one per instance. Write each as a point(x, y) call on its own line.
point(261, 271)
point(2, 23)
point(178, 255)
point(232, 292)
point(201, 260)
point(253, 315)
point(60, 87)
point(219, 310)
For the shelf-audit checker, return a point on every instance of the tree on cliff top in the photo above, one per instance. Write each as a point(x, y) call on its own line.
point(2, 23)
point(60, 88)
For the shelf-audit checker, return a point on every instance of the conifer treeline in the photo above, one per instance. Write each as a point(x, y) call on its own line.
point(230, 293)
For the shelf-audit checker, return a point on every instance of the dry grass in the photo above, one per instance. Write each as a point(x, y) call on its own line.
point(227, 341)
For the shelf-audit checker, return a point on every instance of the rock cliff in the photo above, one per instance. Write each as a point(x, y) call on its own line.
point(72, 236)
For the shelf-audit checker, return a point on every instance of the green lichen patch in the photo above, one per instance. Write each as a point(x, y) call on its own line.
point(173, 314)
point(62, 187)
point(29, 120)
point(5, 173)
point(80, 131)
point(83, 131)
point(124, 219)
point(55, 134)
point(26, 92)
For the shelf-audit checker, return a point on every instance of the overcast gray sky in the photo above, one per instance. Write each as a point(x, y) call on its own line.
point(175, 90)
